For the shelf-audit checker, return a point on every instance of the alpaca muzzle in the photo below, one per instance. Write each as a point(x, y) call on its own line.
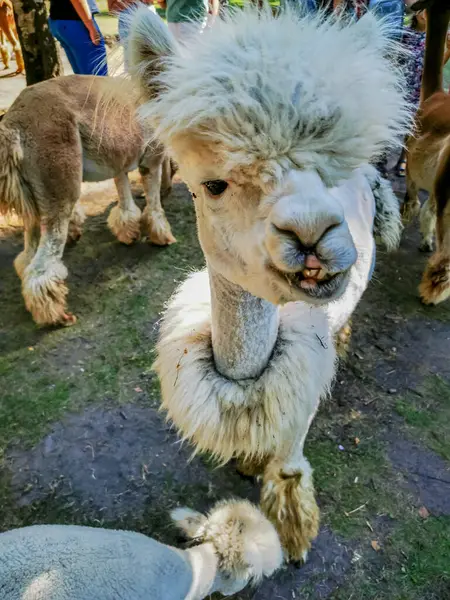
point(309, 242)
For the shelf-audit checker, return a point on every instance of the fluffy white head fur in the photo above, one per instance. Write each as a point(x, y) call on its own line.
point(292, 92)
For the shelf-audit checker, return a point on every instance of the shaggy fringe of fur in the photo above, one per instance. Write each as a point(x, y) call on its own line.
point(12, 197)
point(245, 542)
point(388, 222)
point(249, 419)
point(435, 285)
point(45, 295)
point(157, 227)
point(289, 502)
point(125, 224)
point(292, 91)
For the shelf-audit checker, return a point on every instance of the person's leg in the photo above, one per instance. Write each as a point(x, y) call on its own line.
point(89, 58)
point(59, 32)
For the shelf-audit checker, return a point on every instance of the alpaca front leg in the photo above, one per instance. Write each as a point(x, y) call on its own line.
point(288, 500)
point(76, 223)
point(342, 340)
point(124, 219)
point(428, 225)
point(166, 178)
point(43, 287)
point(154, 218)
point(31, 238)
point(411, 203)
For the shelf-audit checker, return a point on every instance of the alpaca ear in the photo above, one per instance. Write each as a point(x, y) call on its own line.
point(149, 44)
point(189, 521)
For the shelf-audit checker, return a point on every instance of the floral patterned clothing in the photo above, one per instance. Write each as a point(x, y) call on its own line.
point(414, 42)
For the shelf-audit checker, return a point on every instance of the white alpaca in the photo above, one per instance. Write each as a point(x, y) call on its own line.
point(272, 123)
point(235, 545)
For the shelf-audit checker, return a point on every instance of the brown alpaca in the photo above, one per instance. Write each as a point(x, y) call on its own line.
point(8, 29)
point(57, 134)
point(428, 165)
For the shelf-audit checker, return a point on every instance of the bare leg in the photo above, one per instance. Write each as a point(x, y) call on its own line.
point(124, 219)
point(288, 500)
point(31, 237)
point(76, 223)
point(43, 286)
point(4, 52)
point(428, 224)
point(154, 218)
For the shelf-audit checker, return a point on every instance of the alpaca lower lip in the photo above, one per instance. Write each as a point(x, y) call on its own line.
point(322, 288)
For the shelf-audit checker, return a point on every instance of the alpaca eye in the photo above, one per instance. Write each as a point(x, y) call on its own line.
point(216, 187)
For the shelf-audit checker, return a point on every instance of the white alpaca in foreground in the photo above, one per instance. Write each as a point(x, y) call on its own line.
point(236, 545)
point(272, 122)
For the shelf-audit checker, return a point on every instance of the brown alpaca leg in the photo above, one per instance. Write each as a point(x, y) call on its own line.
point(428, 224)
point(76, 223)
point(342, 340)
point(31, 237)
point(166, 178)
point(435, 285)
point(124, 219)
point(43, 287)
point(154, 221)
point(411, 204)
point(288, 500)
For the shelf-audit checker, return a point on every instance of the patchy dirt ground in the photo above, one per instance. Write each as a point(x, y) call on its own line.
point(81, 440)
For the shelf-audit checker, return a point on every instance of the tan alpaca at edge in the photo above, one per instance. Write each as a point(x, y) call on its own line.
point(8, 31)
point(272, 122)
point(231, 547)
point(55, 135)
point(428, 165)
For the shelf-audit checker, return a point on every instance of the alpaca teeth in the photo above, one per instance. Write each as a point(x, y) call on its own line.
point(311, 273)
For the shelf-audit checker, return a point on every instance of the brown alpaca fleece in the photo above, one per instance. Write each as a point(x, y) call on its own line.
point(57, 134)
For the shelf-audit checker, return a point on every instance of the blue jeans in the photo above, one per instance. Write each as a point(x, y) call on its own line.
point(85, 57)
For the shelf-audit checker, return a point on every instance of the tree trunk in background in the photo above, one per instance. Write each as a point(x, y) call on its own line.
point(40, 53)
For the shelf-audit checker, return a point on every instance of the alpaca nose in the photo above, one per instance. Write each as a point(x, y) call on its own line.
point(310, 234)
point(306, 228)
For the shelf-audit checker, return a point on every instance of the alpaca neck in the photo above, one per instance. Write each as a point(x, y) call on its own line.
point(244, 329)
point(437, 25)
point(204, 564)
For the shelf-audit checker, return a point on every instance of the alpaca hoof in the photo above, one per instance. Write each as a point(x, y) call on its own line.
point(125, 225)
point(435, 285)
point(426, 246)
point(409, 211)
point(291, 506)
point(157, 228)
point(342, 340)
point(74, 233)
point(68, 320)
point(45, 296)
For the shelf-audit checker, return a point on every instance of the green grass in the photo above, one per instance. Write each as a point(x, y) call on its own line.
point(427, 412)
